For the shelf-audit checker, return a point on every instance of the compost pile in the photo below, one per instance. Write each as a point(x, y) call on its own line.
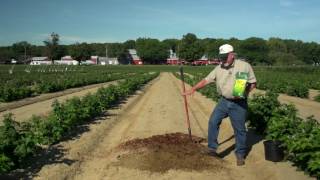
point(161, 153)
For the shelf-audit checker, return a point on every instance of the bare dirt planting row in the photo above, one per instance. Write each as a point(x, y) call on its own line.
point(41, 105)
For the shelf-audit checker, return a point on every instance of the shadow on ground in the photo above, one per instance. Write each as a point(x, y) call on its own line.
point(252, 139)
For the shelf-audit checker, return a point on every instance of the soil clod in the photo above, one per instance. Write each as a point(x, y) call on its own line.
point(161, 153)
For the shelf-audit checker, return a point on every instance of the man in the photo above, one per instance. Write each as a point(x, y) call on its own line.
point(234, 79)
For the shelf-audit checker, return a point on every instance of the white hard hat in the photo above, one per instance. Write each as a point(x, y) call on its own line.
point(226, 48)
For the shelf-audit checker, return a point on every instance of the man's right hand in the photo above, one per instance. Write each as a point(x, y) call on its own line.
point(189, 92)
point(199, 85)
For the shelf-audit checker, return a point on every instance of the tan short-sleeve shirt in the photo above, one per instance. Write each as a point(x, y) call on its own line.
point(225, 78)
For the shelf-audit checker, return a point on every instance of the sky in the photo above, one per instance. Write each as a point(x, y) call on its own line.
point(120, 20)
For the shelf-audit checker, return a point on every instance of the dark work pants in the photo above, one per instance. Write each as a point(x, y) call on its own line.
point(237, 112)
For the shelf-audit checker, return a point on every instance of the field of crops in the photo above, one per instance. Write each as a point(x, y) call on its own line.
point(23, 82)
point(300, 137)
point(26, 81)
point(19, 141)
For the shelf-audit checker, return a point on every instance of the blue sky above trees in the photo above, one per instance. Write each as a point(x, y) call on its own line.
point(120, 20)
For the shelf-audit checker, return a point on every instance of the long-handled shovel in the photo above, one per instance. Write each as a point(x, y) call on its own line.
point(185, 102)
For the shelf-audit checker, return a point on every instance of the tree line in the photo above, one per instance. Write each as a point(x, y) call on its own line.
point(258, 51)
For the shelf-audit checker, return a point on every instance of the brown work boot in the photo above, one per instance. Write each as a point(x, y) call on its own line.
point(240, 160)
point(211, 152)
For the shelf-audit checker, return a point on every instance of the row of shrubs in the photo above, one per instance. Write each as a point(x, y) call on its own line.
point(280, 85)
point(18, 141)
point(15, 90)
point(300, 138)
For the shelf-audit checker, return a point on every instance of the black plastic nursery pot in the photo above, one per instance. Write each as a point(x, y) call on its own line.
point(272, 151)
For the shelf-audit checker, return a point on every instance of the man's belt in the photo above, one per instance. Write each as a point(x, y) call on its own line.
point(234, 99)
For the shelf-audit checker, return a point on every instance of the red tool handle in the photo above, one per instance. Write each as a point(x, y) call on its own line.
point(185, 102)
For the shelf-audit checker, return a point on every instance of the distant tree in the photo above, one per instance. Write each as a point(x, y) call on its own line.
point(171, 44)
point(53, 50)
point(116, 50)
point(276, 45)
point(278, 53)
point(255, 50)
point(310, 52)
point(316, 55)
point(129, 44)
point(69, 49)
point(80, 52)
point(211, 47)
point(21, 50)
point(151, 51)
point(235, 43)
point(119, 51)
point(284, 59)
point(294, 47)
point(5, 54)
point(98, 49)
point(36, 51)
point(190, 48)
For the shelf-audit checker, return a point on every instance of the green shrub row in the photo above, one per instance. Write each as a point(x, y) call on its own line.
point(8, 93)
point(51, 83)
point(300, 138)
point(18, 141)
point(279, 84)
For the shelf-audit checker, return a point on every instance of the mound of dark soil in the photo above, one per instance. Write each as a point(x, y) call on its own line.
point(161, 153)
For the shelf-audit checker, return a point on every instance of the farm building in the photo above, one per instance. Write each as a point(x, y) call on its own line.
point(40, 61)
point(173, 59)
point(108, 61)
point(135, 59)
point(93, 60)
point(204, 60)
point(66, 60)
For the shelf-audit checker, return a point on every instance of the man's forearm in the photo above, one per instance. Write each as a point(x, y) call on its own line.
point(200, 84)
